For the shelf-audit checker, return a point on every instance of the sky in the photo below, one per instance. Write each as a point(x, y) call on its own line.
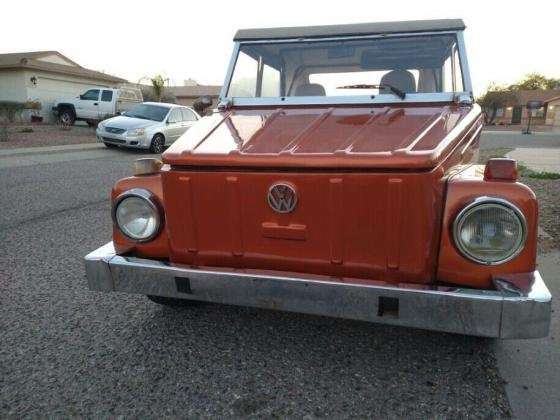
point(182, 39)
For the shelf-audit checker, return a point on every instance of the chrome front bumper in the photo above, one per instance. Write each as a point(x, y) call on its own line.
point(140, 142)
point(503, 313)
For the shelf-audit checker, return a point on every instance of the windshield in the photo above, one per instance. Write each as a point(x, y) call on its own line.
point(387, 65)
point(147, 112)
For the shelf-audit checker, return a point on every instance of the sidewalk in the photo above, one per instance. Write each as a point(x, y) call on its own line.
point(50, 149)
point(31, 156)
point(540, 159)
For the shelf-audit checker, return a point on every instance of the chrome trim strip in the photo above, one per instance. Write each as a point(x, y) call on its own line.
point(411, 98)
point(480, 201)
point(464, 63)
point(229, 71)
point(488, 313)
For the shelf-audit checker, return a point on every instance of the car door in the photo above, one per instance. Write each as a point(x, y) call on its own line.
point(88, 105)
point(106, 108)
point(174, 126)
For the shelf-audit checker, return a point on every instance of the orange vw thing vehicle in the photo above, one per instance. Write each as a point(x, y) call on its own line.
point(337, 177)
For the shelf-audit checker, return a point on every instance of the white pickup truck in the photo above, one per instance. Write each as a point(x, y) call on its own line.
point(96, 104)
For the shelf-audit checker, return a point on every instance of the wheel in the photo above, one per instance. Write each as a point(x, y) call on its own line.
point(66, 117)
point(158, 142)
point(110, 145)
point(167, 301)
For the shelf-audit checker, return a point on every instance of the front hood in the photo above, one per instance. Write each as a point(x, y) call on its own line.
point(128, 123)
point(408, 136)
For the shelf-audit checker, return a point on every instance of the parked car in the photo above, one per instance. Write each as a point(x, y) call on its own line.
point(338, 177)
point(150, 125)
point(96, 104)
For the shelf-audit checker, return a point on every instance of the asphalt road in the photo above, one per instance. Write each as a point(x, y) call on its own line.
point(66, 351)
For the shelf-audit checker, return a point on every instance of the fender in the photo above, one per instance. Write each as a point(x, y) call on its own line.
point(64, 105)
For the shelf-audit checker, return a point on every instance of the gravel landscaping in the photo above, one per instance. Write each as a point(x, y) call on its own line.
point(37, 135)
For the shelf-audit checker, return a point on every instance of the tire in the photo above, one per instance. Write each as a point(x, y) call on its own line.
point(158, 144)
point(110, 145)
point(66, 116)
point(167, 301)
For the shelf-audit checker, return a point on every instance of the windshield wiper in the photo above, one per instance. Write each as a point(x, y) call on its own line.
point(393, 89)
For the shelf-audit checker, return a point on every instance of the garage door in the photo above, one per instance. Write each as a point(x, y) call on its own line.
point(50, 88)
point(556, 122)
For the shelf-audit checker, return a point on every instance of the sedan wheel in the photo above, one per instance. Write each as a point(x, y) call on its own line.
point(158, 143)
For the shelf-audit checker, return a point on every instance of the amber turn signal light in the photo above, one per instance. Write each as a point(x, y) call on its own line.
point(147, 166)
point(500, 169)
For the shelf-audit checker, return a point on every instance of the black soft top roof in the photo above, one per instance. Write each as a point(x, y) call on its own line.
point(437, 25)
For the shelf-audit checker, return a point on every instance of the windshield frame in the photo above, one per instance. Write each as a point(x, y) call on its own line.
point(385, 98)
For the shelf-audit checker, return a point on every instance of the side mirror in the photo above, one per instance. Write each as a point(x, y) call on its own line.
point(81, 96)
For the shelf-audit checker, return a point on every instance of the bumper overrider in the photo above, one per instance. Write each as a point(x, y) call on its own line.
point(507, 312)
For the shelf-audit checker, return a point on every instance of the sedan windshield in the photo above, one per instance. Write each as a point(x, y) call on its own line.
point(147, 112)
point(395, 66)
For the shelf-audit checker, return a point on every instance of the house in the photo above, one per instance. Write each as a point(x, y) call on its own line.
point(553, 112)
point(191, 91)
point(45, 76)
point(518, 113)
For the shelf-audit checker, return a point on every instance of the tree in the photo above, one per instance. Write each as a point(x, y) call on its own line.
point(149, 95)
point(494, 98)
point(536, 81)
point(158, 85)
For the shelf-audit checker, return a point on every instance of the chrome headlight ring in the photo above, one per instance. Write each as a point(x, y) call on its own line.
point(151, 206)
point(483, 203)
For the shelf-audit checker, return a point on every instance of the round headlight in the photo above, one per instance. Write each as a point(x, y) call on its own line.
point(490, 231)
point(136, 215)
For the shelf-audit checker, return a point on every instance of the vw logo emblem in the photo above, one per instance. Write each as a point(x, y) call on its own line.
point(282, 198)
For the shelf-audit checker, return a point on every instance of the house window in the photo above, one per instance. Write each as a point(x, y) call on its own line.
point(500, 112)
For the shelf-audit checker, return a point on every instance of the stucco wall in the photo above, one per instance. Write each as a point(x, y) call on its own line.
point(12, 85)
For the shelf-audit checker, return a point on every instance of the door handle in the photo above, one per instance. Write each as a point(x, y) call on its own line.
point(95, 103)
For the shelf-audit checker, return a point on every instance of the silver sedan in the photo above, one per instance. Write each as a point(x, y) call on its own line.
point(149, 125)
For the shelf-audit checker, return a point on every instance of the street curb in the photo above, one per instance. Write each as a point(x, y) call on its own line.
point(50, 149)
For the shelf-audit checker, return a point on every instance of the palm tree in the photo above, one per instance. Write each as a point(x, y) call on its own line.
point(158, 85)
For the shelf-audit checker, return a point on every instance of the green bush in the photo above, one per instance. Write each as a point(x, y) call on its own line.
point(10, 109)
